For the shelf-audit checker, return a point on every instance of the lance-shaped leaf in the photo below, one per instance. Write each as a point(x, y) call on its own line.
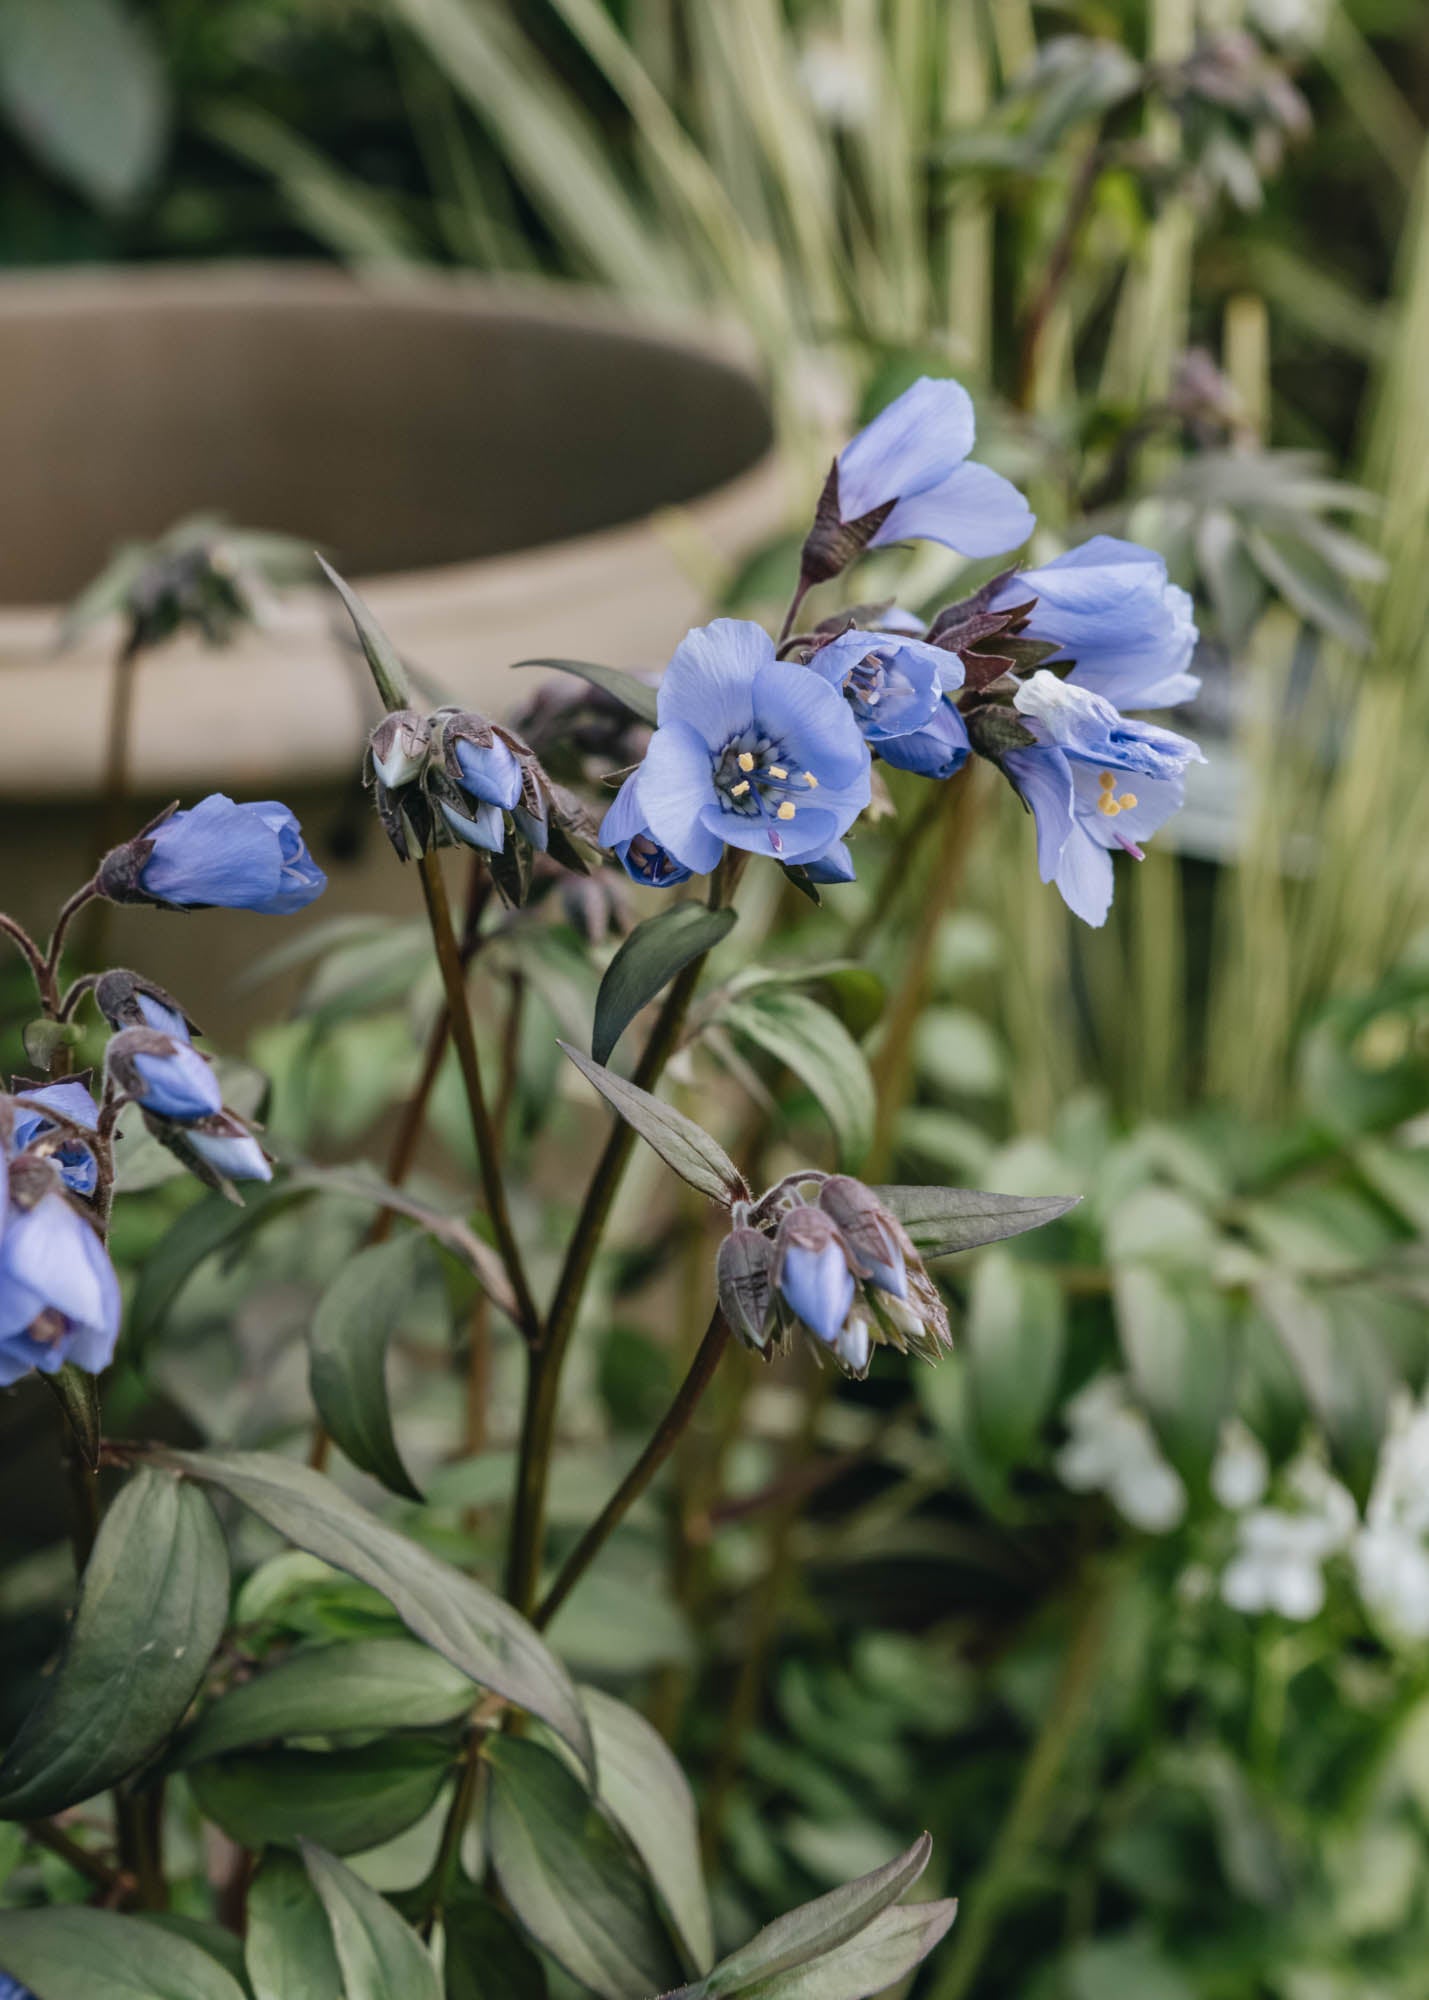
point(356, 1688)
point(819, 1927)
point(681, 1144)
point(883, 1953)
point(348, 1339)
point(641, 1785)
point(348, 1801)
point(486, 1956)
point(381, 655)
point(636, 695)
point(645, 964)
point(942, 1221)
point(381, 1959)
point(569, 1878)
point(66, 1953)
point(290, 1949)
point(200, 1232)
point(151, 1610)
point(815, 1044)
point(1015, 1335)
point(466, 1623)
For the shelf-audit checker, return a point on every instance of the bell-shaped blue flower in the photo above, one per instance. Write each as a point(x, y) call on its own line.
point(750, 752)
point(912, 459)
point(59, 1297)
point(489, 771)
point(218, 855)
point(1110, 607)
point(75, 1106)
point(169, 1081)
point(892, 684)
point(812, 1272)
point(1087, 729)
point(624, 832)
point(477, 824)
point(832, 867)
point(227, 1146)
point(937, 750)
point(1083, 816)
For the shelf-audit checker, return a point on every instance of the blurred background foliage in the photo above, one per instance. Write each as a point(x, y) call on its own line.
point(1181, 254)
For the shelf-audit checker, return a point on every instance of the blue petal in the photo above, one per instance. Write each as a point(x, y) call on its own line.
point(674, 785)
point(1084, 877)
point(913, 680)
point(70, 1099)
point(1044, 778)
point(974, 510)
point(166, 1020)
point(238, 1156)
point(51, 1253)
point(624, 832)
point(818, 1286)
point(217, 853)
point(911, 445)
point(482, 827)
point(489, 771)
point(810, 832)
point(1085, 726)
point(1156, 800)
point(1109, 606)
point(807, 719)
point(834, 865)
point(709, 682)
point(182, 1085)
point(936, 751)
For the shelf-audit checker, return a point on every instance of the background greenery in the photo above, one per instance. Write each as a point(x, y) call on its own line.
point(862, 1611)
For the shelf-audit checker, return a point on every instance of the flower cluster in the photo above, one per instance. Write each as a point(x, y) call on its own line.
point(768, 748)
point(59, 1296)
point(1112, 1449)
point(838, 1265)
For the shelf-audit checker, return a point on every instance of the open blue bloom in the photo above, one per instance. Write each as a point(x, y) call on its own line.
point(627, 836)
point(176, 1082)
point(76, 1163)
point(227, 1146)
point(1083, 816)
point(892, 684)
point(913, 455)
point(59, 1297)
point(936, 750)
point(227, 856)
point(1087, 729)
point(750, 752)
point(812, 1272)
point(1110, 607)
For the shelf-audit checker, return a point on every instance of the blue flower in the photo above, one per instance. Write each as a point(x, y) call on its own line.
point(59, 1297)
point(812, 1272)
point(1109, 606)
point(833, 866)
point(911, 460)
point(166, 1078)
point(11, 1989)
point(750, 752)
point(489, 771)
point(934, 751)
point(482, 826)
point(218, 855)
point(1082, 816)
point(1087, 729)
point(225, 1145)
point(625, 833)
point(892, 684)
point(76, 1163)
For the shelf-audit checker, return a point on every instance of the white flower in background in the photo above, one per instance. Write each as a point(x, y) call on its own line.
point(1293, 23)
point(1113, 1450)
point(1240, 1471)
point(839, 88)
point(1391, 1552)
point(1281, 1551)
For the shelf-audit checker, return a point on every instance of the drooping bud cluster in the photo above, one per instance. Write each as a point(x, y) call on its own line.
point(835, 1263)
point(176, 1088)
point(454, 779)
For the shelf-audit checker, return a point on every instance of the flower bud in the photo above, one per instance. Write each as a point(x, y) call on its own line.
point(167, 1078)
point(217, 855)
point(128, 1000)
point(875, 1239)
point(398, 748)
point(744, 1271)
point(812, 1271)
point(226, 1147)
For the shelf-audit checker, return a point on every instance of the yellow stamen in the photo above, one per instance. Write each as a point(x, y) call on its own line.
point(1126, 801)
point(1107, 806)
point(1107, 782)
point(786, 811)
point(811, 781)
point(778, 771)
point(745, 761)
point(738, 791)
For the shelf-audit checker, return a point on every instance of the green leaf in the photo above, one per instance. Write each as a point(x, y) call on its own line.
point(466, 1623)
point(486, 1956)
point(83, 83)
point(681, 1144)
point(1176, 1336)
point(77, 1394)
point(646, 963)
point(347, 1356)
point(381, 655)
point(636, 695)
point(815, 1044)
point(290, 1949)
point(362, 1686)
point(76, 1954)
point(44, 1039)
point(819, 1927)
point(641, 1785)
point(349, 1801)
point(220, 1944)
point(883, 1953)
point(943, 1221)
point(1343, 1371)
point(200, 1232)
point(152, 1607)
point(569, 1878)
point(381, 1959)
point(1015, 1334)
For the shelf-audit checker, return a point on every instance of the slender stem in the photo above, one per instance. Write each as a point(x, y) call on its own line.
point(663, 1441)
point(459, 1012)
point(31, 951)
point(44, 1834)
point(115, 788)
point(85, 894)
point(70, 1003)
point(801, 591)
point(1057, 269)
point(543, 1372)
point(448, 1854)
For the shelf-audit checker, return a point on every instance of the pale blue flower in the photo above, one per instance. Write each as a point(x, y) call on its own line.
point(70, 1099)
point(812, 1272)
point(226, 1145)
point(832, 867)
point(1083, 815)
point(1089, 730)
point(483, 826)
point(1109, 606)
point(11, 1989)
point(914, 455)
point(751, 752)
point(627, 836)
point(489, 771)
point(176, 1082)
point(937, 750)
point(59, 1297)
point(227, 856)
point(164, 1020)
point(892, 684)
